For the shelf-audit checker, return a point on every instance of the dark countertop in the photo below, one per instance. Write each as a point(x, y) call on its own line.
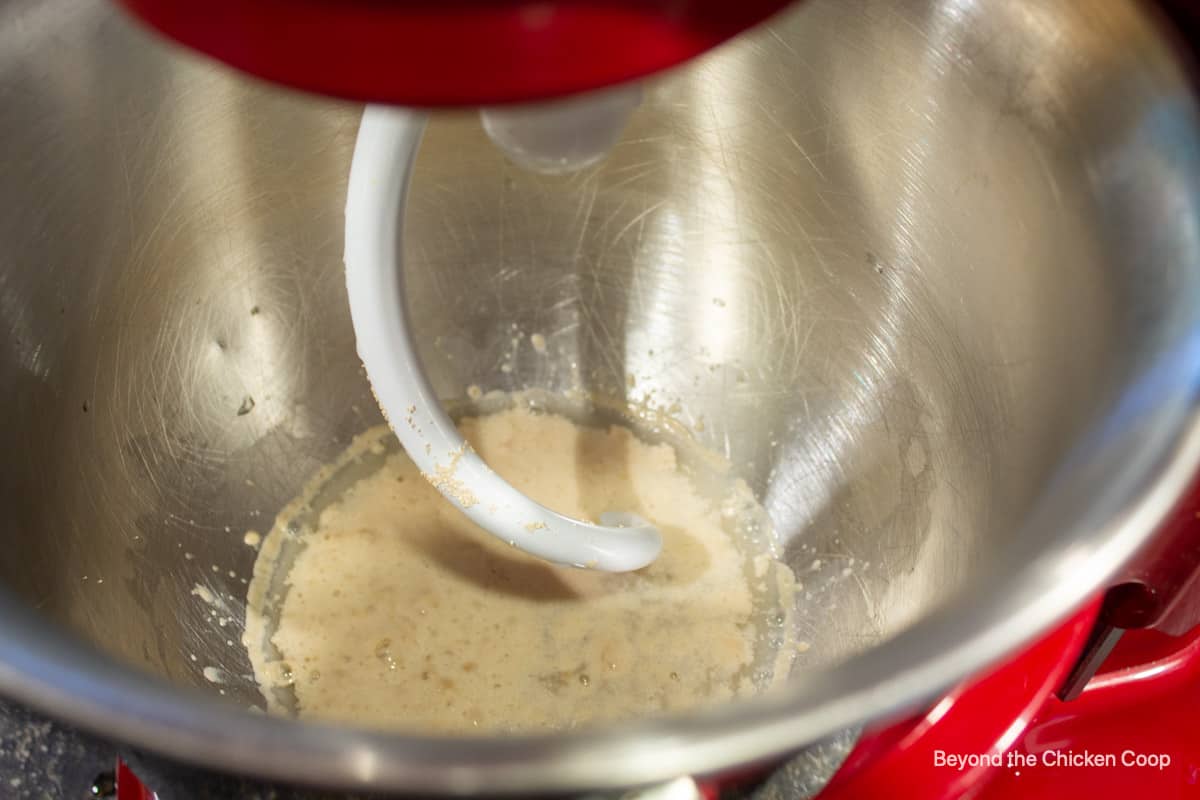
point(40, 759)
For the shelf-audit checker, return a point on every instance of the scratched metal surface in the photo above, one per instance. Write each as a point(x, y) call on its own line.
point(778, 260)
point(893, 259)
point(161, 280)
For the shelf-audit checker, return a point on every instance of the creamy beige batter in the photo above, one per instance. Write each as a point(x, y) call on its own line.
point(400, 612)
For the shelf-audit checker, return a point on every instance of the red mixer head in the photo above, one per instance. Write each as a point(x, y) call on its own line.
point(452, 52)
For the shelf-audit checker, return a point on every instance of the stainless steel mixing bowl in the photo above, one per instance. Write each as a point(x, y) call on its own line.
point(927, 272)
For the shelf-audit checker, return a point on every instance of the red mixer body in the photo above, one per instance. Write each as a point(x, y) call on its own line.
point(452, 52)
point(1132, 732)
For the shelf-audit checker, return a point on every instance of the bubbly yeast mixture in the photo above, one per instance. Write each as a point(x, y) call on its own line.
point(401, 613)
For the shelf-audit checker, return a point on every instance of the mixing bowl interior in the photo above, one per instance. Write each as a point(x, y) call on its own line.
point(896, 262)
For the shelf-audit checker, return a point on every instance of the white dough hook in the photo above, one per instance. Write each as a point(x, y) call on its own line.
point(383, 157)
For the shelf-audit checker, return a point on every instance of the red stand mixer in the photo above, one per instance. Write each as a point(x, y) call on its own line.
point(1085, 688)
